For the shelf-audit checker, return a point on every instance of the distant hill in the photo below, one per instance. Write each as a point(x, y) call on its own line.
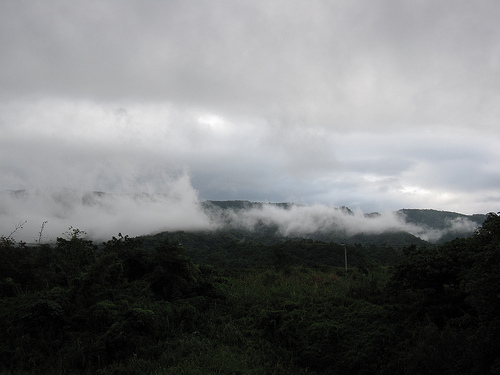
point(238, 244)
point(238, 205)
point(449, 224)
point(98, 212)
point(416, 226)
point(438, 219)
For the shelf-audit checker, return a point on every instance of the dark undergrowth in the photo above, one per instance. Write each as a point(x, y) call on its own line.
point(124, 308)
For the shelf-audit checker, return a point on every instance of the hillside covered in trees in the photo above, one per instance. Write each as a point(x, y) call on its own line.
point(103, 215)
point(167, 304)
point(341, 224)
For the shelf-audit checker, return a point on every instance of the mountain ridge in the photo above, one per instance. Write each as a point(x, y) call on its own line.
point(429, 225)
point(288, 219)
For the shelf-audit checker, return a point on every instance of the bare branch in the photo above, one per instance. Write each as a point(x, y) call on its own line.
point(40, 233)
point(19, 226)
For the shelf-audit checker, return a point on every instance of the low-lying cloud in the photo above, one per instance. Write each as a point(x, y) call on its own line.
point(299, 220)
point(103, 215)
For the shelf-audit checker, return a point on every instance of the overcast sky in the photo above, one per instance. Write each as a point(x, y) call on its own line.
point(376, 105)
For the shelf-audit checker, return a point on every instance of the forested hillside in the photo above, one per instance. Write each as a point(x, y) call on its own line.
point(238, 248)
point(341, 224)
point(144, 306)
point(452, 224)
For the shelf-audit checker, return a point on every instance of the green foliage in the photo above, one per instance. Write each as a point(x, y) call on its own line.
point(142, 306)
point(242, 249)
point(456, 290)
point(282, 261)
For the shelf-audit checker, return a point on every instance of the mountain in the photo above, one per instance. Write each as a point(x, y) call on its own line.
point(448, 225)
point(341, 224)
point(438, 219)
point(238, 205)
point(253, 232)
point(103, 214)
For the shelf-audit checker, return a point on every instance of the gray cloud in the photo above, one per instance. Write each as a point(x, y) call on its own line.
point(387, 62)
point(377, 105)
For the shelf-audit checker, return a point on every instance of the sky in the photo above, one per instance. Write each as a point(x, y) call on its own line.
point(376, 105)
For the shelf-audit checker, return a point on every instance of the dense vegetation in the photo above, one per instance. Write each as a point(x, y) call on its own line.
point(152, 306)
point(238, 248)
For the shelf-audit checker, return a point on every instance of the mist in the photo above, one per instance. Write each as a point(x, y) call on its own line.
point(99, 214)
point(103, 215)
point(301, 220)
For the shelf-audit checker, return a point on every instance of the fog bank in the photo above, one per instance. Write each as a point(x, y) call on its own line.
point(300, 220)
point(102, 215)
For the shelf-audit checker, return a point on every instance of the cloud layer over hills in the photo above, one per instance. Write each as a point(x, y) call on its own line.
point(103, 215)
point(375, 105)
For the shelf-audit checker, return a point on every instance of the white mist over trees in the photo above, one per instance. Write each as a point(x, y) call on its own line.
point(103, 215)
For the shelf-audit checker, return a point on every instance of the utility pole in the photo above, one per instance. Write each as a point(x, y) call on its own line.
point(345, 256)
